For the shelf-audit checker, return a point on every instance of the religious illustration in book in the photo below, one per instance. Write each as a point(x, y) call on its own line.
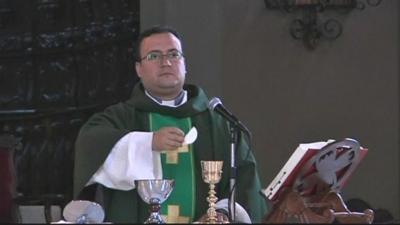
point(317, 167)
point(329, 168)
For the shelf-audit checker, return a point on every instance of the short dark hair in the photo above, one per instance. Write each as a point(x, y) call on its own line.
point(158, 29)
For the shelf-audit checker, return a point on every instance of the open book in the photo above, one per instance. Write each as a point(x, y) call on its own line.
point(315, 166)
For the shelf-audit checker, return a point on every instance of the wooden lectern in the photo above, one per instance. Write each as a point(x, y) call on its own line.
point(330, 207)
point(307, 189)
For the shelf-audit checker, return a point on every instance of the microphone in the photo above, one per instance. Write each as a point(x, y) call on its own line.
point(216, 105)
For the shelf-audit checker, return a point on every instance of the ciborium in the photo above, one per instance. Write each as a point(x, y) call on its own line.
point(154, 192)
point(211, 174)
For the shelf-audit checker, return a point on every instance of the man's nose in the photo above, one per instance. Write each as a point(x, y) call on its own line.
point(165, 60)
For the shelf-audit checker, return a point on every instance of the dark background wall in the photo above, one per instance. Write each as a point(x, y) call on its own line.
point(286, 94)
point(60, 61)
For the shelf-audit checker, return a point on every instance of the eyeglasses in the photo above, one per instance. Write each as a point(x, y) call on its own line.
point(157, 56)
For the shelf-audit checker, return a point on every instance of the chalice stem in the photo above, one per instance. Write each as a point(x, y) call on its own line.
point(212, 199)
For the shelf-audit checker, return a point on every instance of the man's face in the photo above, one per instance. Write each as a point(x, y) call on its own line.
point(163, 77)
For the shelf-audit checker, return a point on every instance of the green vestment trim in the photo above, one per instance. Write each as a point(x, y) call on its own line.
point(177, 165)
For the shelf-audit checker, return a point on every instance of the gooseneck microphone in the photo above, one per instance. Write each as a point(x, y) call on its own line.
point(216, 105)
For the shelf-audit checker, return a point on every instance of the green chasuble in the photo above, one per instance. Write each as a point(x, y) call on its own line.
point(103, 130)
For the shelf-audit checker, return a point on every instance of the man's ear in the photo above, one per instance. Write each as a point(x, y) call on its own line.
point(138, 69)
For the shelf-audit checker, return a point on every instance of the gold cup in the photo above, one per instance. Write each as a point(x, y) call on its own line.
point(211, 174)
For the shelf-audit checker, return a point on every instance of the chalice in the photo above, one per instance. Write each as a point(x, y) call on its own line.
point(154, 192)
point(211, 174)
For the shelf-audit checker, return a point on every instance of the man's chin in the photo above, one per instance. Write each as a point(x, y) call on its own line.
point(171, 85)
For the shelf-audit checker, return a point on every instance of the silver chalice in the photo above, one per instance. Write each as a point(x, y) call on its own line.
point(154, 192)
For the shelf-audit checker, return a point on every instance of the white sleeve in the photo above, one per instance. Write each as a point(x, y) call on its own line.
point(131, 158)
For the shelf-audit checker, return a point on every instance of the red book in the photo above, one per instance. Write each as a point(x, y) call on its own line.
point(314, 166)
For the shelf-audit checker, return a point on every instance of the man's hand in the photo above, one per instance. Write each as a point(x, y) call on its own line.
point(168, 138)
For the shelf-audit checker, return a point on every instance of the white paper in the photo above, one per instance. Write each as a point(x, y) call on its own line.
point(191, 136)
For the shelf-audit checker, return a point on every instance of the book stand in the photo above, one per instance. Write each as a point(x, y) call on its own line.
point(307, 189)
point(292, 207)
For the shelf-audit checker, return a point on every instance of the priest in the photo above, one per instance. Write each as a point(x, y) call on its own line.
point(144, 138)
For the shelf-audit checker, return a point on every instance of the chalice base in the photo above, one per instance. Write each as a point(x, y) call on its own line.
point(155, 218)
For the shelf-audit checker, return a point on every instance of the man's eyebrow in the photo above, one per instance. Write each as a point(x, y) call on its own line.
point(154, 51)
point(169, 50)
point(173, 49)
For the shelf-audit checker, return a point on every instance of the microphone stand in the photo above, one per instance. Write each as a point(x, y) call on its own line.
point(232, 181)
point(235, 136)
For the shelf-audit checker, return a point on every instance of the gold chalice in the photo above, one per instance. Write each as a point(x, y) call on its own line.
point(211, 174)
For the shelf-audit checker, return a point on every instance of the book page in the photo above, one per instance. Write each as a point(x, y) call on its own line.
point(315, 166)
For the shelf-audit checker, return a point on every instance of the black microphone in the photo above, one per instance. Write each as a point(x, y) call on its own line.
point(216, 105)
